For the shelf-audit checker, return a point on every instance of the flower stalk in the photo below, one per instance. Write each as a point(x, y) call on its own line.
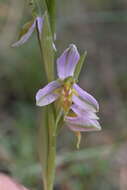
point(51, 149)
point(47, 50)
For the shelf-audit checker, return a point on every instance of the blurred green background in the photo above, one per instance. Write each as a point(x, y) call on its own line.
point(100, 27)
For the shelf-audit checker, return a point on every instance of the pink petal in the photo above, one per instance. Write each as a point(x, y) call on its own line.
point(47, 95)
point(81, 129)
point(7, 183)
point(83, 104)
point(82, 124)
point(66, 63)
point(85, 120)
point(26, 36)
point(81, 112)
point(86, 98)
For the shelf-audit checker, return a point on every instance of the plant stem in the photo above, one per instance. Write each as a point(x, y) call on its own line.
point(48, 161)
point(51, 4)
point(51, 150)
point(51, 163)
point(43, 143)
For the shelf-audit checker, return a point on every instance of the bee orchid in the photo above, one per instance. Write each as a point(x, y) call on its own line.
point(78, 105)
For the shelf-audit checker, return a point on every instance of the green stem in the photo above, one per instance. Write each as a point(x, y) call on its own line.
point(48, 146)
point(51, 149)
point(51, 163)
point(51, 4)
point(43, 143)
point(46, 47)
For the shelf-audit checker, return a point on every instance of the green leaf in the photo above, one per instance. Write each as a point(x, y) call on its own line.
point(80, 65)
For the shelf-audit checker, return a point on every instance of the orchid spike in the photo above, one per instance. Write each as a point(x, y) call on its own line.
point(28, 30)
point(79, 106)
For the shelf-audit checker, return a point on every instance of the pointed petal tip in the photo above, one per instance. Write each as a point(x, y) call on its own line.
point(96, 125)
point(98, 128)
point(74, 49)
point(38, 104)
point(73, 46)
point(54, 47)
point(16, 44)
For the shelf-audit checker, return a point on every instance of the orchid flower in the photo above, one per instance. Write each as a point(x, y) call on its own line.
point(79, 106)
point(28, 30)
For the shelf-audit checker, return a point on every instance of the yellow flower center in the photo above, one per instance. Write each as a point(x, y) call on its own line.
point(66, 97)
point(66, 92)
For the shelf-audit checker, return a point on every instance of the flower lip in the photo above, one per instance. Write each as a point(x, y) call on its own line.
point(82, 123)
point(82, 129)
point(72, 46)
point(80, 112)
point(79, 119)
point(85, 98)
